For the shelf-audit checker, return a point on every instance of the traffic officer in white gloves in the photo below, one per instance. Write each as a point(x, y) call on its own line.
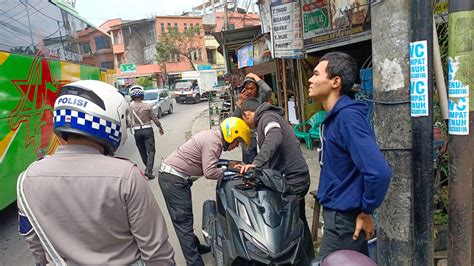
point(83, 206)
point(197, 157)
point(141, 116)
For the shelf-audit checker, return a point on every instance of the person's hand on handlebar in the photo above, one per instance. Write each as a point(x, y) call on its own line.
point(244, 168)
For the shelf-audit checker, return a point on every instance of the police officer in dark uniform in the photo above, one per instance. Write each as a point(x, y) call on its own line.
point(141, 115)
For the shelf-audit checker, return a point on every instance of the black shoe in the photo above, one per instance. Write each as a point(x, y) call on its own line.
point(203, 249)
point(150, 176)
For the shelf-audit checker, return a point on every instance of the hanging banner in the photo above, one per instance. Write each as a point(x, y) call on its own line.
point(265, 15)
point(287, 35)
point(419, 78)
point(261, 51)
point(245, 56)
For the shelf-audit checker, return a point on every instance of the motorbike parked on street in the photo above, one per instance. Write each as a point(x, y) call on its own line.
point(253, 221)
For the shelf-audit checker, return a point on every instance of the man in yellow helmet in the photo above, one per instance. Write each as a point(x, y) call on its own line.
point(195, 158)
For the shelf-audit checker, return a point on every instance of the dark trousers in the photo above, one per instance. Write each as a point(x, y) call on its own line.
point(307, 239)
point(145, 140)
point(177, 194)
point(249, 153)
point(299, 185)
point(339, 228)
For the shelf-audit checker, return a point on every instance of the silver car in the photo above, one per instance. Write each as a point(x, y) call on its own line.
point(161, 101)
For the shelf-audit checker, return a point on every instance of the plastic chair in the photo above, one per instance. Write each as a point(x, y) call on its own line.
point(313, 133)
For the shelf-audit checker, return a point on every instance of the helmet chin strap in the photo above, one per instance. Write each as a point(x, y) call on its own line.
point(226, 144)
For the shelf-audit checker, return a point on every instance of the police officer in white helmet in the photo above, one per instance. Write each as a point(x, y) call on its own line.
point(83, 206)
point(141, 116)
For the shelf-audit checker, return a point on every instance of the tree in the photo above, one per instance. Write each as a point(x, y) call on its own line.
point(173, 45)
point(145, 81)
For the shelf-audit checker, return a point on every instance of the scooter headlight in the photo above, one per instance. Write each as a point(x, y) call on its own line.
point(253, 244)
point(242, 212)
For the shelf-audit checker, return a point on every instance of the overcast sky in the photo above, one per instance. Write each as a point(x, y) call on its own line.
point(99, 11)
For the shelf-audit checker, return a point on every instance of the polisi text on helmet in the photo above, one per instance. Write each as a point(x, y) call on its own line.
point(72, 101)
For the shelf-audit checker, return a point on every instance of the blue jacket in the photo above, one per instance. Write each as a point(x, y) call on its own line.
point(354, 173)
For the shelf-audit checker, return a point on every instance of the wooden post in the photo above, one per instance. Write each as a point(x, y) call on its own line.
point(285, 94)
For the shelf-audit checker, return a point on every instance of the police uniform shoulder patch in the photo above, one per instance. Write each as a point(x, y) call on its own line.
point(24, 225)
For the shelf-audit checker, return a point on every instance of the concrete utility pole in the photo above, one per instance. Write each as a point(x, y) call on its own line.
point(392, 123)
point(461, 147)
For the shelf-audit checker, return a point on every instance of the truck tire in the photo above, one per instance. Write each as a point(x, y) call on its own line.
point(197, 98)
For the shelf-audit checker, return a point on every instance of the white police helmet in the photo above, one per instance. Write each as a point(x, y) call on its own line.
point(93, 109)
point(137, 91)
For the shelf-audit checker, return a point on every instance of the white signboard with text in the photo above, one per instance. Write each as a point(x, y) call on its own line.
point(287, 34)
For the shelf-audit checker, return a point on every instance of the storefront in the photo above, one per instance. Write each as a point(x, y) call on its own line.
point(335, 25)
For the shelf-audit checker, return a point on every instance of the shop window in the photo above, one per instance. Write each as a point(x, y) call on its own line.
point(107, 64)
point(85, 48)
point(102, 43)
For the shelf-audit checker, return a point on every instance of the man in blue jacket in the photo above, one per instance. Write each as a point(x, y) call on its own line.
point(354, 174)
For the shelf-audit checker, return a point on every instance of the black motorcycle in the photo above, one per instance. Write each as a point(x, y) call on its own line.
point(253, 221)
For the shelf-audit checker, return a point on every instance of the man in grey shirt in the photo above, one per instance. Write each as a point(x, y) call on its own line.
point(92, 208)
point(195, 158)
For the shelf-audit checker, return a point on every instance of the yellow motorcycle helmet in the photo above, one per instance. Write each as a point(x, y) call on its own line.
point(233, 128)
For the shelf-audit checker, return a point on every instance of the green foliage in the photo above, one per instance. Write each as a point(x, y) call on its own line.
point(145, 82)
point(174, 44)
point(440, 217)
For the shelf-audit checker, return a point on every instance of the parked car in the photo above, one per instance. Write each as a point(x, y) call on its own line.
point(160, 100)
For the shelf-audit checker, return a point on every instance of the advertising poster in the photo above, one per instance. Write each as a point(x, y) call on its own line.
point(245, 56)
point(261, 51)
point(287, 35)
point(458, 103)
point(419, 78)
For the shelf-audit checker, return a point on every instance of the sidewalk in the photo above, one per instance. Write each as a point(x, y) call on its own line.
point(202, 122)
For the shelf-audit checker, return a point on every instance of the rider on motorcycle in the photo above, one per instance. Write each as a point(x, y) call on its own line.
point(197, 157)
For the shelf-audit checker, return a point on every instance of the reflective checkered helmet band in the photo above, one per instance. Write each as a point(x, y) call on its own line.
point(95, 126)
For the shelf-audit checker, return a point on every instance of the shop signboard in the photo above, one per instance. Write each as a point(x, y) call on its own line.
point(245, 56)
point(315, 18)
point(287, 32)
point(328, 20)
point(261, 51)
point(128, 68)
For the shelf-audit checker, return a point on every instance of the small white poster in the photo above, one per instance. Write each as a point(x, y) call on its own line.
point(458, 120)
point(419, 78)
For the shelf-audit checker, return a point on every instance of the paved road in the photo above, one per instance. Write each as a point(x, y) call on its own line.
point(178, 127)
